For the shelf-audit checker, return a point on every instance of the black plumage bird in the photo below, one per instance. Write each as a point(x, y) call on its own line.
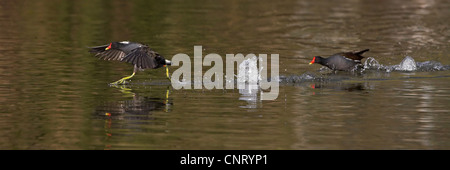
point(141, 56)
point(345, 61)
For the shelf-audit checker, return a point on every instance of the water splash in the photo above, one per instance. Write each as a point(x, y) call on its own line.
point(407, 64)
point(305, 77)
point(248, 78)
point(248, 71)
point(432, 66)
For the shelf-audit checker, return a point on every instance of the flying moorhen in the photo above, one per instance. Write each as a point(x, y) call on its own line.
point(141, 56)
point(344, 61)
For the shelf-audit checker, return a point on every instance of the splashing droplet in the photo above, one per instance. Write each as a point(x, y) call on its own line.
point(407, 64)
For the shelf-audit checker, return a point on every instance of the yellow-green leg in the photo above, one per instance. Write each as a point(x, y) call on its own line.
point(166, 102)
point(122, 81)
point(167, 72)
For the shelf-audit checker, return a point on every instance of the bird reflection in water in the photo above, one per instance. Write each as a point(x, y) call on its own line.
point(130, 114)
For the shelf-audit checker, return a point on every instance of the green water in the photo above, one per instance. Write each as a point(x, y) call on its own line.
point(55, 95)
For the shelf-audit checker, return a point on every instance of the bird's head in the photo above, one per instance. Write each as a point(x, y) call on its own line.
point(109, 47)
point(316, 59)
point(116, 45)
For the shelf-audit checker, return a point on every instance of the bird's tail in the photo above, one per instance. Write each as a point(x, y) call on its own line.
point(168, 62)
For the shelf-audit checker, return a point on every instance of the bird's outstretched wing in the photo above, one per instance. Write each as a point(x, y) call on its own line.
point(143, 57)
point(111, 54)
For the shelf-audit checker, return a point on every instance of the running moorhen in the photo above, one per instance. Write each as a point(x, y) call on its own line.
point(141, 56)
point(344, 61)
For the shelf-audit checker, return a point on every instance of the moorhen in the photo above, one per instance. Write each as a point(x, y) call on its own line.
point(141, 56)
point(344, 61)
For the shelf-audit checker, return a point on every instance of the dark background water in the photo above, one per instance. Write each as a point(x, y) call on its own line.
point(55, 95)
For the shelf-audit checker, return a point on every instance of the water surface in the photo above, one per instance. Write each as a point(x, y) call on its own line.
point(55, 95)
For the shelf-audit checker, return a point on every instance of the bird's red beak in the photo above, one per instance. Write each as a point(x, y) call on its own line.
point(312, 61)
point(109, 47)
